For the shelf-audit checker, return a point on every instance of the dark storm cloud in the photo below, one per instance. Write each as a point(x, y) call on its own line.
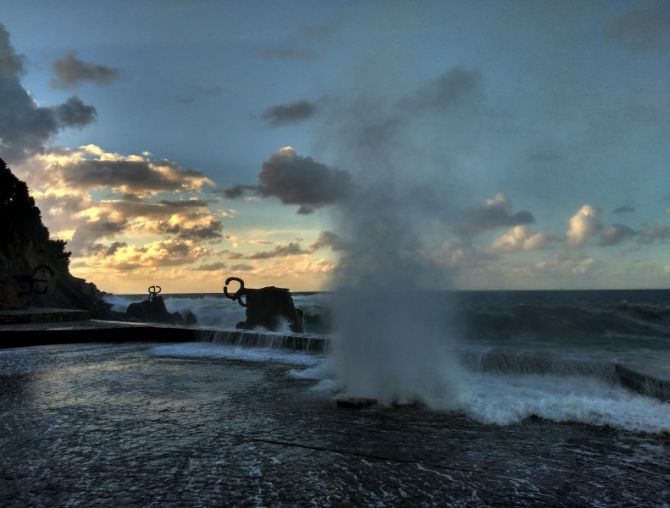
point(131, 175)
point(614, 234)
point(624, 209)
point(75, 113)
point(70, 72)
point(298, 180)
point(24, 126)
point(497, 212)
point(644, 27)
point(238, 191)
point(294, 112)
point(659, 232)
point(448, 91)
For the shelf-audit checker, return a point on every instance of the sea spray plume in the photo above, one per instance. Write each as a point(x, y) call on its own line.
point(391, 339)
point(390, 342)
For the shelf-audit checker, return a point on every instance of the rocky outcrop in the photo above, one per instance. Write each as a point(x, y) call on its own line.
point(25, 245)
point(153, 310)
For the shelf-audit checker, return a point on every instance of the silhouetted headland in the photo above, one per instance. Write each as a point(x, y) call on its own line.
point(25, 246)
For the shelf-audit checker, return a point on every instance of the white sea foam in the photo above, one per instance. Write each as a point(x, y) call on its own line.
point(504, 399)
point(120, 303)
point(507, 399)
point(225, 352)
point(215, 311)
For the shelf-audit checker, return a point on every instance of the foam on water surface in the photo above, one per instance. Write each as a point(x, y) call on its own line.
point(508, 399)
point(226, 352)
point(505, 399)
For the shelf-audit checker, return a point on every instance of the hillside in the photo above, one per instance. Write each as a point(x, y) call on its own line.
point(25, 245)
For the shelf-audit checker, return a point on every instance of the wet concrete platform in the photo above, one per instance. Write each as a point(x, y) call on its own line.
point(90, 331)
point(110, 424)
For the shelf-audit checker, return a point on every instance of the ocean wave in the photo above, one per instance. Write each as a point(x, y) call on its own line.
point(647, 324)
point(509, 399)
point(568, 322)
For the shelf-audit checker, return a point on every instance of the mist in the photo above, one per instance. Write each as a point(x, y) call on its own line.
point(393, 336)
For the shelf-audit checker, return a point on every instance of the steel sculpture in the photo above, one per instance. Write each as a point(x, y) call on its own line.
point(153, 292)
point(31, 284)
point(265, 307)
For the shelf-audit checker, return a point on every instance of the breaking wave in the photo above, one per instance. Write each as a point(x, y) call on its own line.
point(598, 363)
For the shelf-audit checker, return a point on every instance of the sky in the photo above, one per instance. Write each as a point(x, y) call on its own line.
point(178, 143)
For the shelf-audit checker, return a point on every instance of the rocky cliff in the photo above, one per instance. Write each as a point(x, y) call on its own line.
point(25, 245)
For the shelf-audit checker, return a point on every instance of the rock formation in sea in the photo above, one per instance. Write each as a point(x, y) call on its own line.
point(25, 245)
point(153, 310)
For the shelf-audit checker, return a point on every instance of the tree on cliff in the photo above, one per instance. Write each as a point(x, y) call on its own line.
point(25, 244)
point(21, 224)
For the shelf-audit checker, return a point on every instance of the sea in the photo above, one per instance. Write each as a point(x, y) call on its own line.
point(599, 357)
point(559, 398)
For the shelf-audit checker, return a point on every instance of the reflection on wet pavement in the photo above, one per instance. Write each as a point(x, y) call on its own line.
point(110, 424)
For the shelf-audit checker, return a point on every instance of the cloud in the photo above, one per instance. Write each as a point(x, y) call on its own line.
point(298, 180)
point(25, 127)
point(519, 238)
point(446, 92)
point(210, 231)
point(624, 209)
point(90, 167)
point(70, 72)
point(212, 267)
point(291, 249)
point(238, 191)
point(299, 45)
point(73, 188)
point(614, 234)
point(85, 236)
point(567, 263)
point(583, 225)
point(102, 250)
point(659, 232)
point(644, 27)
point(241, 267)
point(185, 220)
point(159, 254)
point(328, 239)
point(458, 254)
point(75, 113)
point(293, 112)
point(496, 212)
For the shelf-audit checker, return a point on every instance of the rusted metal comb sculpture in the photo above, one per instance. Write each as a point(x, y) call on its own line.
point(30, 284)
point(239, 294)
point(153, 291)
